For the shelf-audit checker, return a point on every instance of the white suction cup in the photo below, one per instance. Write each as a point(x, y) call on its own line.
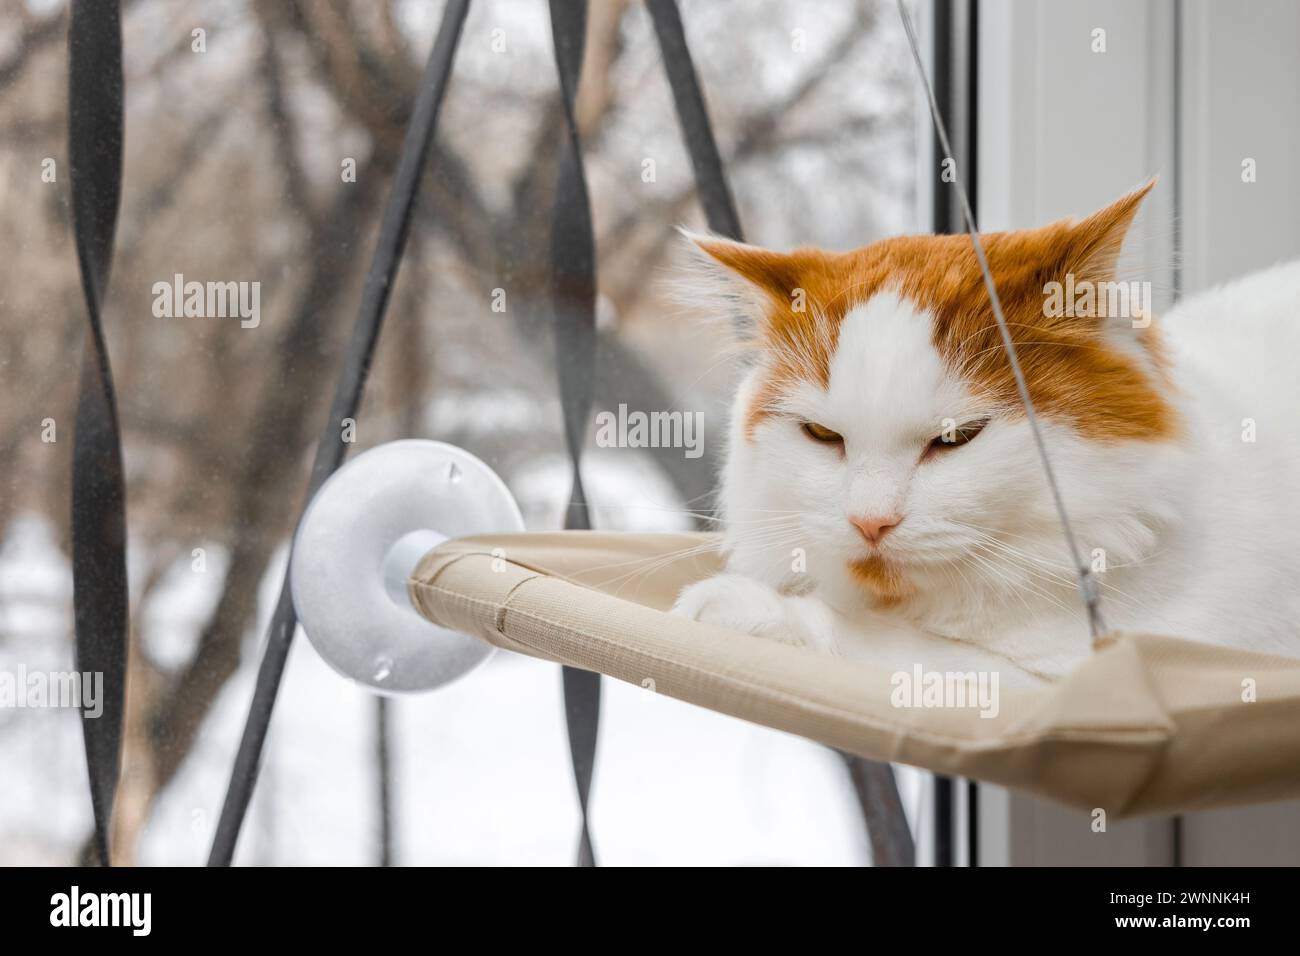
point(359, 541)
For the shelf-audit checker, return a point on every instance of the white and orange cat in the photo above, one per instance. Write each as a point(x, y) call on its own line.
point(882, 481)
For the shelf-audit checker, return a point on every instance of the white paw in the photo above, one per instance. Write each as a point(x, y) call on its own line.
point(734, 601)
point(743, 604)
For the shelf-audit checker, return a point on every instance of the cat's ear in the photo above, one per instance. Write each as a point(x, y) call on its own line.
point(736, 280)
point(1094, 243)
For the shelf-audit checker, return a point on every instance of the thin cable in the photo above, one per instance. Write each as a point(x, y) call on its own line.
point(1087, 583)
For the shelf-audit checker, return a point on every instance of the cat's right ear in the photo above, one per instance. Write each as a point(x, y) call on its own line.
point(731, 279)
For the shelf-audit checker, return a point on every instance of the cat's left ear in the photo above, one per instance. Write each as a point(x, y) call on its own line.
point(731, 278)
point(1094, 243)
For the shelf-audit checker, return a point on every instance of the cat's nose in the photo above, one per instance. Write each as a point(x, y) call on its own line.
point(874, 527)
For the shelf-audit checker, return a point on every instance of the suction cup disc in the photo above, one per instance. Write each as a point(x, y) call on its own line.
point(363, 533)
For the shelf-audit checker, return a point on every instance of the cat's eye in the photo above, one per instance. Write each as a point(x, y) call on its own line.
point(822, 434)
point(954, 437)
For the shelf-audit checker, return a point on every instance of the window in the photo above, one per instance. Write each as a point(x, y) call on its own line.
point(260, 143)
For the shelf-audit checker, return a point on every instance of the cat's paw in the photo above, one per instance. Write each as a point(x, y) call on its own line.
point(742, 604)
point(736, 602)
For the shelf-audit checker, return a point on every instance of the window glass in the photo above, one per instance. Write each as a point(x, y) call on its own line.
point(261, 140)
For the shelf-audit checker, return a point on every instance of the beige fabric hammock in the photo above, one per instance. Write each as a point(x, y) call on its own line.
point(1149, 724)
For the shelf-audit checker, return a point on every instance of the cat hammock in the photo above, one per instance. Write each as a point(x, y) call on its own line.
point(1148, 724)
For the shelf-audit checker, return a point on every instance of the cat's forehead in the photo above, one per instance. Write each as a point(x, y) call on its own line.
point(939, 275)
point(886, 368)
point(866, 353)
point(897, 292)
point(886, 383)
point(885, 343)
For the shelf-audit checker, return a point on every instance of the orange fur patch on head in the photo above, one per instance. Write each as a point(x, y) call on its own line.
point(1075, 371)
point(800, 295)
point(798, 290)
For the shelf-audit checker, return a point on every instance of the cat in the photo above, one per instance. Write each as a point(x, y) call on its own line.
point(882, 486)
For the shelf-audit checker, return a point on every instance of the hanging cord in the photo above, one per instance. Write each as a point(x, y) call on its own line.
point(99, 590)
point(1087, 583)
point(331, 449)
point(573, 304)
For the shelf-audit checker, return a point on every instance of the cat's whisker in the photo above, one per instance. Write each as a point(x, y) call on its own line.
point(1017, 585)
point(996, 577)
point(1068, 583)
point(1063, 569)
point(1064, 566)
